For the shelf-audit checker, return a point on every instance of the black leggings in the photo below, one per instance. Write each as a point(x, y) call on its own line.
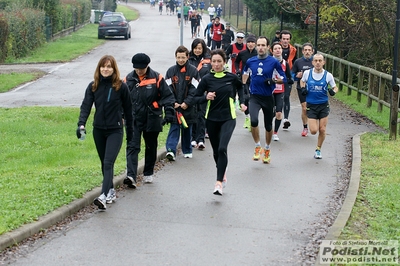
point(286, 101)
point(266, 104)
point(108, 144)
point(220, 133)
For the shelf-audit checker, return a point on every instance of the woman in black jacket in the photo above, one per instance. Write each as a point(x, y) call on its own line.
point(199, 57)
point(219, 90)
point(111, 99)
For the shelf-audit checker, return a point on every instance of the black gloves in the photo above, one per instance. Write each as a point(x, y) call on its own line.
point(290, 81)
point(169, 115)
point(332, 92)
point(78, 132)
point(304, 91)
point(269, 82)
point(239, 75)
point(233, 55)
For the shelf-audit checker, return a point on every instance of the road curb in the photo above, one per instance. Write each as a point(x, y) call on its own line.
point(343, 216)
point(16, 236)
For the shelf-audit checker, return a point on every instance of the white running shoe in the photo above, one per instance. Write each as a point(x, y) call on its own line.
point(188, 155)
point(275, 137)
point(111, 196)
point(201, 146)
point(100, 202)
point(193, 143)
point(170, 156)
point(218, 190)
point(148, 179)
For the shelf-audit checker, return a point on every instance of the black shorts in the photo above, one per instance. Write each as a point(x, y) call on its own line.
point(317, 111)
point(278, 97)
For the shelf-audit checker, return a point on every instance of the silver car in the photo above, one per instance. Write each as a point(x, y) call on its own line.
point(114, 24)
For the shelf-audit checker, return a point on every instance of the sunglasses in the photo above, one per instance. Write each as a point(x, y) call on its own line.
point(240, 37)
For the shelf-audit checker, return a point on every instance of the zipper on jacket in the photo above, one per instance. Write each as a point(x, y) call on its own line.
point(109, 95)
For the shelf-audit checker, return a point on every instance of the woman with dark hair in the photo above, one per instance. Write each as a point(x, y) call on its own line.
point(218, 89)
point(276, 51)
point(111, 99)
point(199, 57)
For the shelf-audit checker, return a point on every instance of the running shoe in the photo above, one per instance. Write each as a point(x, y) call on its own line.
point(111, 196)
point(170, 156)
point(206, 136)
point(247, 122)
point(188, 155)
point(193, 143)
point(130, 182)
point(304, 133)
point(275, 137)
point(267, 157)
point(217, 190)
point(100, 202)
point(257, 153)
point(148, 178)
point(318, 154)
point(286, 124)
point(201, 146)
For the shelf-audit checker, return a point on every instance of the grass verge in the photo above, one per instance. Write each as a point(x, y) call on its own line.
point(44, 165)
point(12, 80)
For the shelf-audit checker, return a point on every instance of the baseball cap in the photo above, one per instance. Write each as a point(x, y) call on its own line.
point(140, 60)
point(251, 38)
point(240, 35)
point(228, 24)
point(277, 32)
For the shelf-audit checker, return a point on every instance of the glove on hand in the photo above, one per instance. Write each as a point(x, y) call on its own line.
point(269, 82)
point(78, 132)
point(239, 75)
point(169, 115)
point(332, 92)
point(233, 55)
point(290, 81)
point(304, 91)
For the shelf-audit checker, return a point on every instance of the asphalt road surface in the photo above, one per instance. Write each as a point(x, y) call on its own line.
point(266, 215)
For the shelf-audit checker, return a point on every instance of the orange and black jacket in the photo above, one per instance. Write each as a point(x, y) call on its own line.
point(149, 94)
point(183, 82)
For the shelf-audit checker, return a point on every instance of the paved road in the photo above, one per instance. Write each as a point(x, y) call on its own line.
point(267, 212)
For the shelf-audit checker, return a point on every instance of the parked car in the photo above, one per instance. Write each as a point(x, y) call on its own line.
point(114, 24)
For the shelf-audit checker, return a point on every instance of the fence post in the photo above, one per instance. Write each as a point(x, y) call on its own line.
point(341, 75)
point(381, 93)
point(360, 83)
point(349, 80)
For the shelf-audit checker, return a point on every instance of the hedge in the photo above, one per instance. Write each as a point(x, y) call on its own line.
point(23, 27)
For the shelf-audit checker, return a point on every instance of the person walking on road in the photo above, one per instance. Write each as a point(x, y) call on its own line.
point(149, 94)
point(234, 49)
point(276, 49)
point(228, 37)
point(110, 97)
point(207, 32)
point(199, 57)
point(211, 11)
point(316, 83)
point(300, 65)
point(217, 30)
point(182, 79)
point(240, 61)
point(219, 90)
point(289, 53)
point(261, 70)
